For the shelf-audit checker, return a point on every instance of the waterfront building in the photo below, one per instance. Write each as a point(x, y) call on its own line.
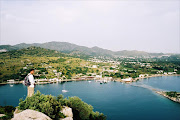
point(127, 80)
point(10, 81)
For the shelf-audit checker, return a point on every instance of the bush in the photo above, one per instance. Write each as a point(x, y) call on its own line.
point(81, 110)
point(8, 111)
point(46, 104)
point(172, 94)
point(97, 116)
point(84, 110)
point(51, 106)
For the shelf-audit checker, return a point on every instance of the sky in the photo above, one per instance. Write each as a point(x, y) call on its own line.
point(144, 25)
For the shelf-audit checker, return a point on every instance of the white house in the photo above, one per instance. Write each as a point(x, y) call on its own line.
point(165, 73)
point(24, 68)
point(55, 71)
point(170, 73)
point(127, 79)
point(143, 75)
point(94, 66)
point(98, 77)
point(10, 81)
point(3, 50)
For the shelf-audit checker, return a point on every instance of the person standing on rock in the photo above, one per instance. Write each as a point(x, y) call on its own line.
point(31, 83)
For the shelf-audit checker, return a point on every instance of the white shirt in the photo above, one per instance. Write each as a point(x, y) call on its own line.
point(31, 80)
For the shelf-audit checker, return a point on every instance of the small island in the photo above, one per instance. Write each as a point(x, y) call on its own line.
point(172, 95)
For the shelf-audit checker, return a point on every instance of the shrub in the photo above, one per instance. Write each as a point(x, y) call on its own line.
point(172, 93)
point(51, 106)
point(97, 116)
point(81, 110)
point(8, 111)
point(46, 104)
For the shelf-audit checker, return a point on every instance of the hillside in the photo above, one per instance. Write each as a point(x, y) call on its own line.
point(31, 51)
point(73, 49)
point(77, 50)
point(12, 62)
point(8, 47)
point(15, 64)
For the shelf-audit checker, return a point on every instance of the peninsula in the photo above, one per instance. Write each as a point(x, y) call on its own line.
point(172, 95)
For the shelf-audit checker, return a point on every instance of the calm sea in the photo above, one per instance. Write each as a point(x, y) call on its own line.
point(116, 100)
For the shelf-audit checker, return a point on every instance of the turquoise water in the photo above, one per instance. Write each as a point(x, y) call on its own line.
point(116, 100)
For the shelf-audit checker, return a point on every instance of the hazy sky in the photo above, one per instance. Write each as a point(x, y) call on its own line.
point(147, 25)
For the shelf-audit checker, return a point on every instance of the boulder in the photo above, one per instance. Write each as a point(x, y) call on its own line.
point(67, 118)
point(1, 115)
point(17, 111)
point(67, 111)
point(30, 115)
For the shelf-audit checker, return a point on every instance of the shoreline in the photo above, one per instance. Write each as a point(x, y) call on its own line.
point(149, 76)
point(156, 75)
point(116, 79)
point(39, 83)
point(174, 99)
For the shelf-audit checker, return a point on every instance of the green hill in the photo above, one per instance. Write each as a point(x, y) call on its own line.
point(82, 51)
point(8, 47)
point(70, 48)
point(16, 63)
point(12, 62)
point(31, 51)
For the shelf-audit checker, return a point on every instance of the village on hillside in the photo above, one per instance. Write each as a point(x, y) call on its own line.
point(103, 69)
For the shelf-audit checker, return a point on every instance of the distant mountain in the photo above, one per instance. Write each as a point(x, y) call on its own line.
point(70, 48)
point(77, 50)
point(32, 51)
point(131, 53)
point(8, 47)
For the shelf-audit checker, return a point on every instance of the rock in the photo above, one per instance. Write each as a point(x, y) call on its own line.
point(67, 118)
point(67, 111)
point(30, 115)
point(1, 115)
point(17, 111)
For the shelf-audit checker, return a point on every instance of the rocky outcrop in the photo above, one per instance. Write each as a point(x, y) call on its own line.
point(1, 115)
point(35, 115)
point(67, 118)
point(30, 115)
point(67, 111)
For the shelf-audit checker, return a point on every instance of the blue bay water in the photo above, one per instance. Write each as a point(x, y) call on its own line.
point(116, 100)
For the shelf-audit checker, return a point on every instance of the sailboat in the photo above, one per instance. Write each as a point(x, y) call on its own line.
point(64, 90)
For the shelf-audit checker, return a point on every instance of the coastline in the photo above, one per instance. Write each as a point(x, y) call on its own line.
point(163, 93)
point(149, 76)
point(116, 79)
point(156, 75)
point(39, 83)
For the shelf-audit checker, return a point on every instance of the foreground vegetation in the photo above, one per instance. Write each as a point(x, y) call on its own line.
point(51, 106)
point(8, 111)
